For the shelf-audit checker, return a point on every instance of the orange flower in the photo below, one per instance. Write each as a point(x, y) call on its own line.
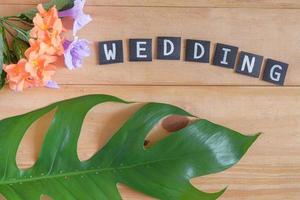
point(46, 44)
point(47, 28)
point(39, 48)
point(41, 67)
point(46, 22)
point(52, 13)
point(55, 43)
point(18, 77)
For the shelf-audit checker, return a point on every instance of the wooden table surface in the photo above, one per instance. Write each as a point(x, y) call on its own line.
point(271, 168)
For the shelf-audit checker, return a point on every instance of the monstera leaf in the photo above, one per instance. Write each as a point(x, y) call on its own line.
point(162, 171)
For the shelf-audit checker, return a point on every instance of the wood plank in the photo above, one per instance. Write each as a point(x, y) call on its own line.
point(268, 32)
point(183, 3)
point(270, 170)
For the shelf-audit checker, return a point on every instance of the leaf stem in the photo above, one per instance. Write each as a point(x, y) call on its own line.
point(10, 17)
point(8, 31)
point(13, 26)
point(21, 21)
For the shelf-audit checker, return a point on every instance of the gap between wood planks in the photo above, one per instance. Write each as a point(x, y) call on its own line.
point(181, 85)
point(275, 7)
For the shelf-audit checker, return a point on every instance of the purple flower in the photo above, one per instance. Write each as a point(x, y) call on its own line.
point(80, 18)
point(75, 52)
point(52, 84)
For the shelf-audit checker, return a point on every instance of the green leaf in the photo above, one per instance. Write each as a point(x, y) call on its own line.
point(21, 34)
point(12, 57)
point(20, 47)
point(162, 171)
point(2, 79)
point(3, 49)
point(2, 44)
point(60, 5)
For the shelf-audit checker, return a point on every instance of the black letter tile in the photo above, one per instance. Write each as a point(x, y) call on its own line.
point(140, 49)
point(225, 55)
point(197, 51)
point(110, 52)
point(275, 71)
point(249, 64)
point(168, 48)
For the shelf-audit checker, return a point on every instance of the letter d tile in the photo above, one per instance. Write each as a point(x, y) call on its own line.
point(168, 48)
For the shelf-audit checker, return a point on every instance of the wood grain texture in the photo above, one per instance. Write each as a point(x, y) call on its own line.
point(182, 3)
point(273, 33)
point(270, 170)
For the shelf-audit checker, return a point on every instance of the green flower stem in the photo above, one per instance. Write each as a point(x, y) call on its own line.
point(21, 21)
point(16, 19)
point(7, 58)
point(9, 17)
point(8, 31)
point(22, 34)
point(13, 25)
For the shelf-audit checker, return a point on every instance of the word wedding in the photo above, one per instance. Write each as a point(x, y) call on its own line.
point(168, 48)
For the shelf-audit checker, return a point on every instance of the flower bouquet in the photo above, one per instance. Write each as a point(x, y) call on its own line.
point(32, 42)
